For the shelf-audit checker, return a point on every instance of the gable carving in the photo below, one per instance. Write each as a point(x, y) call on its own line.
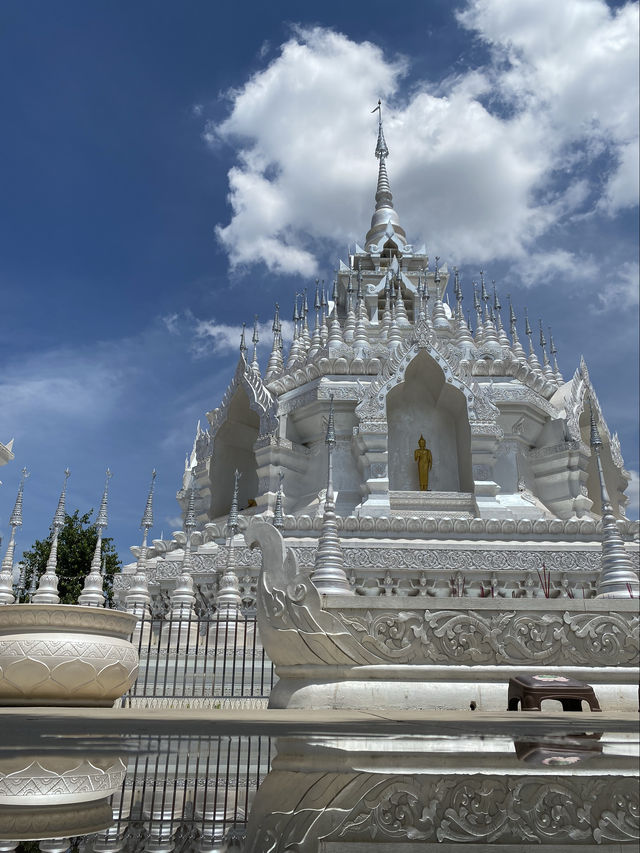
point(261, 401)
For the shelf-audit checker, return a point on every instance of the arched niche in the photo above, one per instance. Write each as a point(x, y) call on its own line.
point(233, 448)
point(425, 404)
point(614, 481)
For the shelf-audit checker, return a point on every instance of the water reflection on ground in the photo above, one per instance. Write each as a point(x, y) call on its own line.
point(322, 792)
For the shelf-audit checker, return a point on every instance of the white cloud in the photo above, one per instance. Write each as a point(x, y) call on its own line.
point(633, 493)
point(621, 286)
point(475, 159)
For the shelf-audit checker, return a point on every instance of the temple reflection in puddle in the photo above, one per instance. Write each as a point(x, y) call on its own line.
point(328, 794)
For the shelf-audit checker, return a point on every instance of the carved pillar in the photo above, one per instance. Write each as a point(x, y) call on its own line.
point(485, 439)
point(371, 447)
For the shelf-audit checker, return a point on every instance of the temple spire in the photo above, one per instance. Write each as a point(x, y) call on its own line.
point(478, 309)
point(546, 364)
point(275, 365)
point(335, 332)
point(47, 592)
point(617, 576)
point(329, 575)
point(255, 366)
point(533, 358)
point(15, 520)
point(232, 521)
point(6, 572)
point(92, 594)
point(229, 597)
point(146, 524)
point(278, 512)
point(189, 526)
point(497, 307)
point(516, 346)
point(316, 339)
point(385, 219)
point(138, 599)
point(554, 352)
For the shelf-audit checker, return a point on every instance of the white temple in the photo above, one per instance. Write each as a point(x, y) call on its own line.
point(513, 485)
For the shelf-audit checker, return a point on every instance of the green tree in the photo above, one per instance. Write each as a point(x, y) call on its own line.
point(76, 544)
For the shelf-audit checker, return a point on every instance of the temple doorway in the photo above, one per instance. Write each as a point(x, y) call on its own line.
point(424, 404)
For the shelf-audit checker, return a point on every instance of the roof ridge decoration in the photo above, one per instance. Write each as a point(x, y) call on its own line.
point(581, 390)
point(261, 400)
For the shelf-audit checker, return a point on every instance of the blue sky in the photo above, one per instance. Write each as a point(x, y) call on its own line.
point(170, 169)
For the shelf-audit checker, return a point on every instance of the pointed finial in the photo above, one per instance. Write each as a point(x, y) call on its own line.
point(16, 516)
point(190, 515)
point(6, 588)
point(595, 440)
point(243, 345)
point(512, 313)
point(330, 438)
point(457, 290)
point(60, 515)
point(255, 366)
point(483, 290)
point(276, 320)
point(527, 327)
point(101, 520)
point(278, 514)
point(93, 594)
point(47, 591)
point(329, 575)
point(147, 518)
point(554, 356)
point(543, 342)
point(382, 150)
point(232, 522)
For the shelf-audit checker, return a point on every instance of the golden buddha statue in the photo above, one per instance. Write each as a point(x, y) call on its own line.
point(423, 457)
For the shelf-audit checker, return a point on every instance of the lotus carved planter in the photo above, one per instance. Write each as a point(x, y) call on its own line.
point(64, 654)
point(53, 796)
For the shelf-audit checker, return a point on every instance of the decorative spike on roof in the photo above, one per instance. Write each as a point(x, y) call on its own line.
point(102, 520)
point(232, 521)
point(278, 513)
point(92, 594)
point(15, 519)
point(329, 575)
point(60, 514)
point(147, 518)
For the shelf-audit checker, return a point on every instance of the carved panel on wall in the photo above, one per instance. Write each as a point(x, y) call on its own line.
point(507, 638)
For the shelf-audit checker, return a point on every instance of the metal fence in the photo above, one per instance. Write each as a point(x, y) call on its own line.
point(200, 661)
point(190, 794)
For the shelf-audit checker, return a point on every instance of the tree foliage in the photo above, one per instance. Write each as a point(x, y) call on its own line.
point(76, 544)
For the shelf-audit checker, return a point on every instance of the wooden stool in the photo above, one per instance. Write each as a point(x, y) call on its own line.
point(531, 690)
